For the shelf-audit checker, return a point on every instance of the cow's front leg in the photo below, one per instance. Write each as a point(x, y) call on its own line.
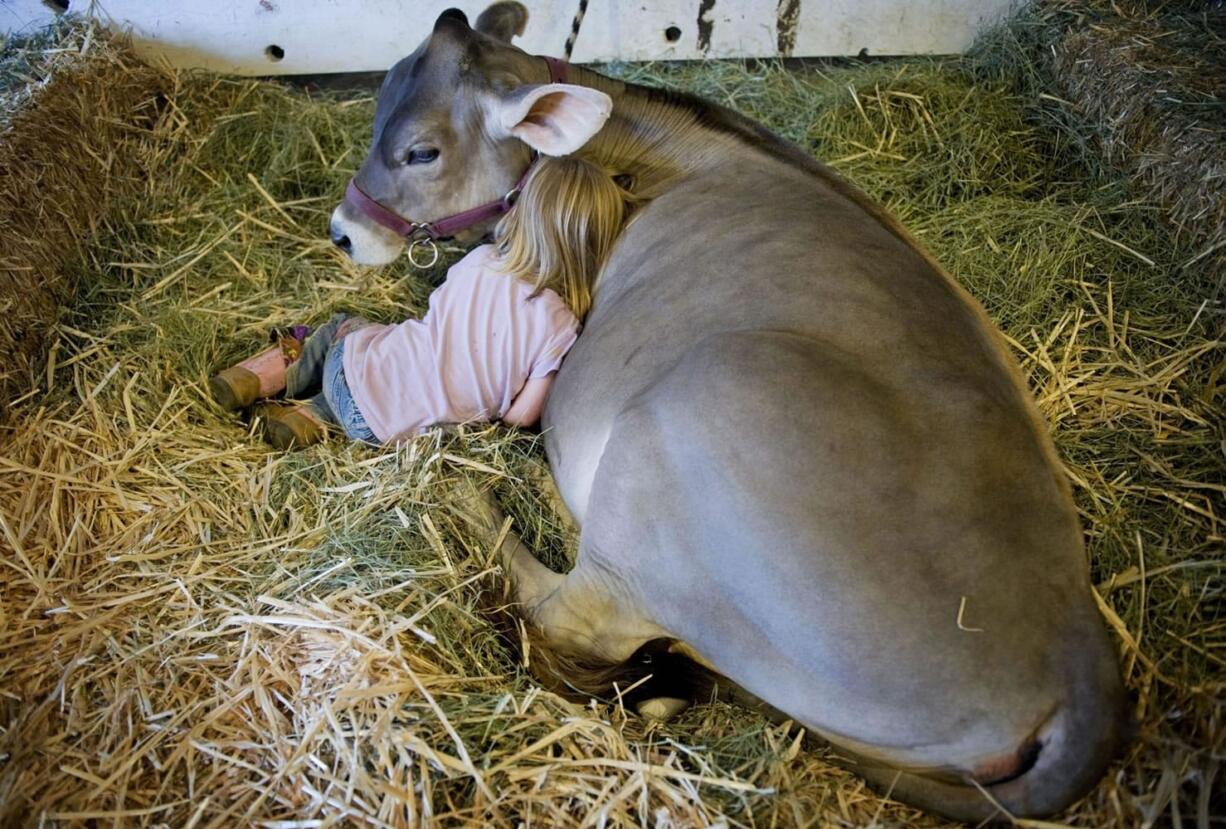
point(542, 479)
point(531, 581)
point(585, 629)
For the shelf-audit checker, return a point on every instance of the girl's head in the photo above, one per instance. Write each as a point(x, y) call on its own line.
point(563, 227)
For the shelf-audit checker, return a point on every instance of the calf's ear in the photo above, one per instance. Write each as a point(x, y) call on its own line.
point(554, 118)
point(503, 21)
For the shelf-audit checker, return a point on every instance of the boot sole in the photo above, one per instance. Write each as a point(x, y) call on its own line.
point(234, 389)
point(288, 429)
point(280, 435)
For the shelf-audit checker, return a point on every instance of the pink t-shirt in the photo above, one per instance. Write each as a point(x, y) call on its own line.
point(482, 338)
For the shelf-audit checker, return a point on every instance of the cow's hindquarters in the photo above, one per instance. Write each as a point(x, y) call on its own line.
point(900, 573)
point(1072, 753)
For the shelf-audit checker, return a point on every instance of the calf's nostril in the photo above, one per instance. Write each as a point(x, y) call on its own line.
point(342, 242)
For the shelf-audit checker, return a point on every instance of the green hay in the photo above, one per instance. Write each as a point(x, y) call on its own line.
point(192, 624)
point(1137, 87)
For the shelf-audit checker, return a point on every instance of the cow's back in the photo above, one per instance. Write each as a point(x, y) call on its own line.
point(766, 246)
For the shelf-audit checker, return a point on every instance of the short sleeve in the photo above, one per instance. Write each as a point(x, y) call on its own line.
point(561, 331)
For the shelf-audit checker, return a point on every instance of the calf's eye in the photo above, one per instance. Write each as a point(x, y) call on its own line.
point(421, 156)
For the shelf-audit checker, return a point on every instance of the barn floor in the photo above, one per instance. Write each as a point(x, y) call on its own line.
point(198, 631)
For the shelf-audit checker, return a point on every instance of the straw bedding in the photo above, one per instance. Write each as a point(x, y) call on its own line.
point(198, 631)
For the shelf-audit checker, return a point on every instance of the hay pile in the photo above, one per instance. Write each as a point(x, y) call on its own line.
point(75, 109)
point(1144, 82)
point(197, 631)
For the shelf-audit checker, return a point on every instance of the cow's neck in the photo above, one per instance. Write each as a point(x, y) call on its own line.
point(650, 136)
point(659, 137)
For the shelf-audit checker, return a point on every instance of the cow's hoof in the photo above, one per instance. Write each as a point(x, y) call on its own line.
point(476, 508)
point(662, 709)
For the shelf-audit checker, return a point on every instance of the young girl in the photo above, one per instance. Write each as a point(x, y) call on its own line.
point(487, 348)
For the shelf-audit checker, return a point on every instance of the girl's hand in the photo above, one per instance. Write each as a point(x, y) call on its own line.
point(526, 408)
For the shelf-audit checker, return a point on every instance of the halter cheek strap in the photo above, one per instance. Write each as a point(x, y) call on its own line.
point(358, 199)
point(421, 236)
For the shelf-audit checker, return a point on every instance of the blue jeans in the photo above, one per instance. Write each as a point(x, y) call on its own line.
point(321, 365)
point(335, 403)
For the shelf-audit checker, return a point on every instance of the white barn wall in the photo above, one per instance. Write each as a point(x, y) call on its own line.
point(319, 36)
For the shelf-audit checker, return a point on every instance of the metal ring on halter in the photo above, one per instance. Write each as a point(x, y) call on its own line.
point(423, 242)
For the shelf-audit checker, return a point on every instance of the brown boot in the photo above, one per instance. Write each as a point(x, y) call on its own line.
point(289, 425)
point(260, 376)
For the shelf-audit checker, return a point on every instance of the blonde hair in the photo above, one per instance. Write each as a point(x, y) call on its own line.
point(563, 227)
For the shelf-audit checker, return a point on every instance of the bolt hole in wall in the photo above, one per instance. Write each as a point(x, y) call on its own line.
point(672, 34)
point(274, 52)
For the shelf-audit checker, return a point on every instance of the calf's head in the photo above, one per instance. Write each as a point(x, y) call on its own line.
point(456, 123)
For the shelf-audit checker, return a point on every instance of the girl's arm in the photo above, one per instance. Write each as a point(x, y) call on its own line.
point(526, 408)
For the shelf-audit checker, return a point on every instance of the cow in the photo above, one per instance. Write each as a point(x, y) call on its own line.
point(793, 444)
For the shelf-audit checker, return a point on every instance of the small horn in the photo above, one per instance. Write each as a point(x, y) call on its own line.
point(451, 14)
point(503, 21)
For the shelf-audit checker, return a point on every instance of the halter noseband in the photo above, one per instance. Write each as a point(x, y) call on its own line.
point(423, 235)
